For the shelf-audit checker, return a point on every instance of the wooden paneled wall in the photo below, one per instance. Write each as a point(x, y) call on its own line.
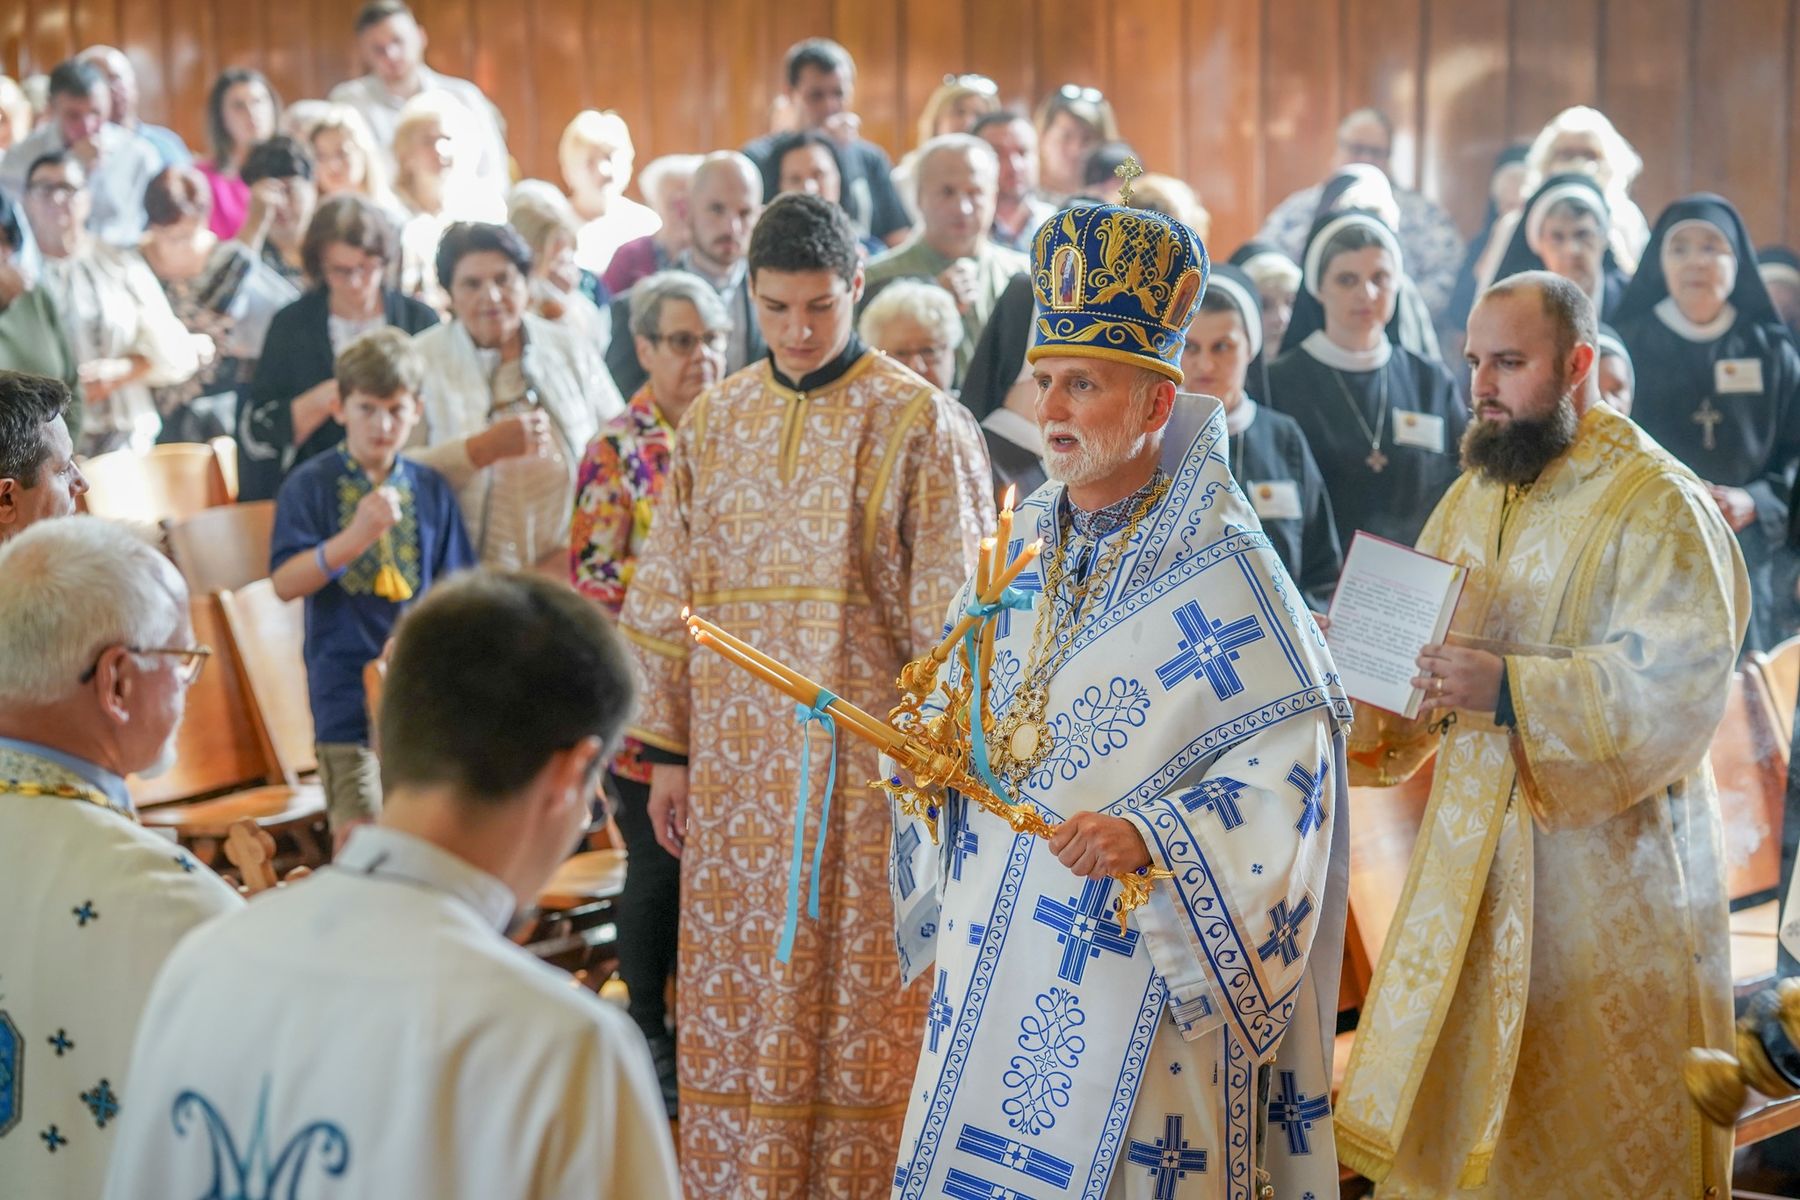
point(1238, 96)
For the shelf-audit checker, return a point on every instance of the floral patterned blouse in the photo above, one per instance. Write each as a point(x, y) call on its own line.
point(621, 476)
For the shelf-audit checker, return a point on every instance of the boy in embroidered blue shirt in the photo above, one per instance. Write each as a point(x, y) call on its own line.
point(361, 533)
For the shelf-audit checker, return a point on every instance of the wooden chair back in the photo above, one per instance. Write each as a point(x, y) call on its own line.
point(170, 483)
point(1751, 773)
point(268, 636)
point(1384, 825)
point(219, 549)
point(225, 450)
point(1779, 672)
point(218, 746)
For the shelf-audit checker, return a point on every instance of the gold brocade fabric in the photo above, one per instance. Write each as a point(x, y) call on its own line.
point(1561, 939)
point(830, 530)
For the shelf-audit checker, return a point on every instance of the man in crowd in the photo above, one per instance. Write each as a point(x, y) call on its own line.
point(1018, 209)
point(122, 83)
point(392, 964)
point(118, 163)
point(96, 655)
point(392, 45)
point(957, 176)
point(38, 475)
point(724, 200)
point(1562, 940)
point(1428, 236)
point(821, 89)
point(822, 504)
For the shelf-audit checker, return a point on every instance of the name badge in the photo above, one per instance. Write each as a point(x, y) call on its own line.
point(1275, 500)
point(1418, 429)
point(1738, 376)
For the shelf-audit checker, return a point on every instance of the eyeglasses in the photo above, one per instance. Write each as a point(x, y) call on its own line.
point(975, 83)
point(188, 660)
point(352, 274)
point(60, 193)
point(684, 343)
point(1086, 95)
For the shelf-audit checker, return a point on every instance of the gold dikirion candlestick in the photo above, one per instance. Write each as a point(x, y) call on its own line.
point(936, 752)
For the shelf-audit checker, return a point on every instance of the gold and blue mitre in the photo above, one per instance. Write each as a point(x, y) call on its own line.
point(1116, 283)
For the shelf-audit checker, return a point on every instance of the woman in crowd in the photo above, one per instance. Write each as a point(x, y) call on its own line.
point(1268, 452)
point(1172, 198)
point(346, 160)
point(915, 322)
point(664, 182)
point(217, 288)
point(241, 111)
point(808, 161)
point(1566, 230)
point(549, 226)
point(1383, 423)
point(493, 361)
point(1718, 384)
point(596, 156)
point(1505, 197)
point(282, 200)
point(436, 150)
point(1780, 267)
point(681, 329)
point(285, 417)
point(1072, 123)
point(1617, 377)
point(1361, 187)
point(1277, 280)
point(954, 106)
point(16, 117)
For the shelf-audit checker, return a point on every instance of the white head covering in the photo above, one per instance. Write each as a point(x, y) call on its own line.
point(1315, 250)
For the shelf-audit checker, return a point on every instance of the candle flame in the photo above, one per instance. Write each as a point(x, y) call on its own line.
point(684, 613)
point(987, 543)
point(1011, 490)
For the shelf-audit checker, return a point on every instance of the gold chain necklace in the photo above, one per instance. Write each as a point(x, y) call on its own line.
point(1376, 460)
point(1023, 735)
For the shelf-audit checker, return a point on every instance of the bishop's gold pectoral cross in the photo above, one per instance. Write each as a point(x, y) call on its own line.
point(1708, 419)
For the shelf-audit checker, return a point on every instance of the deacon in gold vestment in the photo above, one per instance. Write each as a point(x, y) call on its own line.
point(825, 506)
point(1561, 938)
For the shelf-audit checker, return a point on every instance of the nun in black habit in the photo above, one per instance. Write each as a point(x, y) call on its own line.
point(1268, 453)
point(1718, 384)
point(1566, 230)
point(1384, 424)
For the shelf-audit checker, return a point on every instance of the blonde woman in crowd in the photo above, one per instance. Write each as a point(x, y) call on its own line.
point(435, 149)
point(596, 156)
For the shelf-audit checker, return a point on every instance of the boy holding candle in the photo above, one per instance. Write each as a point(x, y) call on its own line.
point(361, 532)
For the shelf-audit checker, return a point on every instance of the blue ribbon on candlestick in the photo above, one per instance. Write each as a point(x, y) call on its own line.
point(820, 712)
point(984, 612)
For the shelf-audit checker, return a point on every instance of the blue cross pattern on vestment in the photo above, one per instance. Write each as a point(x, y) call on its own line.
point(1029, 580)
point(904, 846)
point(939, 1014)
point(967, 843)
point(1219, 794)
point(960, 1185)
point(102, 1101)
point(1015, 1156)
point(1084, 927)
point(976, 930)
point(1169, 1158)
point(1312, 791)
point(1284, 928)
point(53, 1138)
point(1296, 1112)
point(85, 913)
point(62, 1041)
point(185, 863)
point(1209, 648)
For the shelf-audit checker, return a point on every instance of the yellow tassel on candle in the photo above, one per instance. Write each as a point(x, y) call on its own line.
point(390, 584)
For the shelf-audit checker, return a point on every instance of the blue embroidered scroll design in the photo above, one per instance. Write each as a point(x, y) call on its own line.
point(1096, 725)
point(12, 1072)
point(253, 1174)
point(1038, 1080)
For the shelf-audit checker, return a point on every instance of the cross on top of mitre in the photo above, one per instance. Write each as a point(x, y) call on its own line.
point(1127, 171)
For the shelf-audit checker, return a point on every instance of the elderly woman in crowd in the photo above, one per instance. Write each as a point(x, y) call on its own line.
point(596, 156)
point(495, 361)
point(916, 323)
point(241, 111)
point(437, 151)
point(681, 329)
point(219, 289)
point(559, 287)
point(123, 333)
point(282, 199)
point(665, 182)
point(31, 334)
point(286, 416)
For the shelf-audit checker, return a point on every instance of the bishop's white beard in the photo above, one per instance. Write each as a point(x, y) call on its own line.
point(1095, 456)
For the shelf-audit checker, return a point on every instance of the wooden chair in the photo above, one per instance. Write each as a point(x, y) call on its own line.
point(219, 549)
point(1779, 672)
point(1384, 825)
point(268, 638)
point(224, 769)
point(225, 450)
point(170, 483)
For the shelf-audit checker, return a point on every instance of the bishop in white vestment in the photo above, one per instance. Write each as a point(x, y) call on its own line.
point(1062, 1054)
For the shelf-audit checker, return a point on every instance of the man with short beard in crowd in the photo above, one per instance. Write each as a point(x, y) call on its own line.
point(1571, 842)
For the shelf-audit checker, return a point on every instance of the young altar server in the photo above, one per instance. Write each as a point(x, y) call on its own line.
point(370, 1031)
